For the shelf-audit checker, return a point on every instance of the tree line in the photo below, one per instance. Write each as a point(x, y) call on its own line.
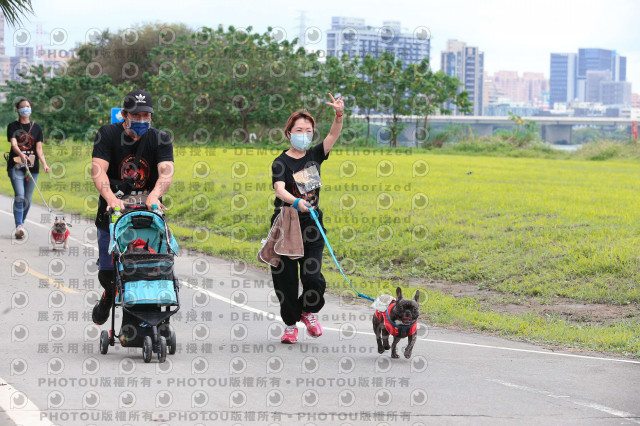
point(214, 84)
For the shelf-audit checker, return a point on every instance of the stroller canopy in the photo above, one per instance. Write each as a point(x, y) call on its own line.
point(143, 225)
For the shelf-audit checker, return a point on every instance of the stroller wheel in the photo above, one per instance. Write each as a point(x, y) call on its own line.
point(172, 343)
point(162, 353)
point(104, 341)
point(147, 349)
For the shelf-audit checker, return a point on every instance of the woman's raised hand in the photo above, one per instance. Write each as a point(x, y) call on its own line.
point(337, 104)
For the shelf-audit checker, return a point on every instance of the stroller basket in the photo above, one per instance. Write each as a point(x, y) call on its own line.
point(147, 280)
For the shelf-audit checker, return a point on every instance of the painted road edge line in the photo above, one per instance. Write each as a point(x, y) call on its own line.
point(20, 408)
point(27, 269)
point(591, 405)
point(448, 342)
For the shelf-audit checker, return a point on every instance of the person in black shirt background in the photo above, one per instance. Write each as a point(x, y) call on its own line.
point(296, 181)
point(114, 169)
point(26, 138)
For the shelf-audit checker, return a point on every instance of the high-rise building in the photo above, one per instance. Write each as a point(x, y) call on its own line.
point(26, 52)
point(593, 92)
point(528, 88)
point(5, 68)
point(18, 65)
point(467, 64)
point(619, 68)
point(562, 78)
point(25, 57)
point(11, 67)
point(508, 85)
point(2, 52)
point(352, 37)
point(569, 74)
point(5, 61)
point(615, 93)
point(598, 60)
point(635, 100)
point(536, 88)
point(594, 60)
point(489, 91)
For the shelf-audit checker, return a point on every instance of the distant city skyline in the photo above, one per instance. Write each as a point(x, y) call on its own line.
point(589, 75)
point(525, 88)
point(513, 37)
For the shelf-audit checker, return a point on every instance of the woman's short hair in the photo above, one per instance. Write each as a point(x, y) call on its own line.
point(301, 113)
point(22, 100)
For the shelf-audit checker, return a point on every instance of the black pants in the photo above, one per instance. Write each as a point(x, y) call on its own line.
point(107, 282)
point(285, 276)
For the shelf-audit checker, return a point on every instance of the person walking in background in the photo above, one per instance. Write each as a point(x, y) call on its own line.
point(25, 137)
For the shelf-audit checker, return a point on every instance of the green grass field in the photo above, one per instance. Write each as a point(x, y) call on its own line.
point(549, 229)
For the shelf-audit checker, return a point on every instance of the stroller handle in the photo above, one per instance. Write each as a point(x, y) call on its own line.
point(128, 207)
point(135, 206)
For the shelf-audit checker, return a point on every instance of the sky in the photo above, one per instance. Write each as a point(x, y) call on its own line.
point(515, 35)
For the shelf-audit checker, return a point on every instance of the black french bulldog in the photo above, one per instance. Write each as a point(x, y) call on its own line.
point(399, 320)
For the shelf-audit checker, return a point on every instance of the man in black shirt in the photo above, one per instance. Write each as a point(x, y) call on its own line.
point(128, 157)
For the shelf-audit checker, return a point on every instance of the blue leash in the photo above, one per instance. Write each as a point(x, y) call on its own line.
point(315, 217)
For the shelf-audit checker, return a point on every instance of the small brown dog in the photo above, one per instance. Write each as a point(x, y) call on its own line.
point(399, 319)
point(60, 233)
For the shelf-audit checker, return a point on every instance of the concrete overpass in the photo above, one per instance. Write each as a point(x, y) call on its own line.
point(553, 129)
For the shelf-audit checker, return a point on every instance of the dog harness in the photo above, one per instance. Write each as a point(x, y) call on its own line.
point(400, 330)
point(141, 244)
point(58, 237)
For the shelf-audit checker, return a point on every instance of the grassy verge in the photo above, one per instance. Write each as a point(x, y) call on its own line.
point(495, 147)
point(527, 227)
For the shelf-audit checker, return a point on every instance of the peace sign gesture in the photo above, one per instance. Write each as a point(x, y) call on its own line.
point(337, 104)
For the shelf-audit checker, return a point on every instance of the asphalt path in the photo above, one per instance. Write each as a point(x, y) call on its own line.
point(230, 367)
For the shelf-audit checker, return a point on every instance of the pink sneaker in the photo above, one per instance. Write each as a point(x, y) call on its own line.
point(290, 334)
point(313, 326)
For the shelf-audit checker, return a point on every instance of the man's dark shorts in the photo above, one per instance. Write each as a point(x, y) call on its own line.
point(105, 262)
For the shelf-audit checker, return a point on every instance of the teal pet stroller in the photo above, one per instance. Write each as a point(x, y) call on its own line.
point(143, 251)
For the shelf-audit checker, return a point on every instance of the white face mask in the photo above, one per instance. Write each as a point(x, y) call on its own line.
point(25, 111)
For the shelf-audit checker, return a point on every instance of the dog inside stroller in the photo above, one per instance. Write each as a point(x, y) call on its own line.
point(143, 251)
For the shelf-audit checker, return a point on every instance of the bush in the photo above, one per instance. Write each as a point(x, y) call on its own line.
point(452, 133)
point(609, 149)
point(586, 135)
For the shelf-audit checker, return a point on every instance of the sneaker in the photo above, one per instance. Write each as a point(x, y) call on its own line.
point(165, 329)
point(19, 232)
point(290, 334)
point(102, 309)
point(313, 326)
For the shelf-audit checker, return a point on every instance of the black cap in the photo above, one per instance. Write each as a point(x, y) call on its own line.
point(137, 101)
